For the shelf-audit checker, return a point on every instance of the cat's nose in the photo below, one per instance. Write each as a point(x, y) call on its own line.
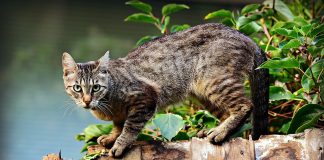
point(87, 99)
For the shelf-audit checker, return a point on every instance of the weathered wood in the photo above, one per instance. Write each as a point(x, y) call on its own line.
point(308, 145)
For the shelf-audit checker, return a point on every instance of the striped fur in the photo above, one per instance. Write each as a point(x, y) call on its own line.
point(207, 61)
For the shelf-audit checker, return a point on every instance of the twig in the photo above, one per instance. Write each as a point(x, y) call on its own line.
point(278, 114)
point(265, 29)
point(283, 104)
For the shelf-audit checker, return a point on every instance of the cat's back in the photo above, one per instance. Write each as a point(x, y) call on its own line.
point(191, 41)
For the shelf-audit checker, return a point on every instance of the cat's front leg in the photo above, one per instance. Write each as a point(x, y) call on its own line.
point(138, 114)
point(108, 140)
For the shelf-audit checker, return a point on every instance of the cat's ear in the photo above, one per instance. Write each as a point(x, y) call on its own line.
point(103, 61)
point(68, 63)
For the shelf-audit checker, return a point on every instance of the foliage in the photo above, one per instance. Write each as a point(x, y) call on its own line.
point(293, 40)
point(161, 24)
point(291, 34)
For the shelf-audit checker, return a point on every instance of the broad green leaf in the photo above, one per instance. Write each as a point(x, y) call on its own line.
point(96, 130)
point(307, 80)
point(294, 43)
point(80, 137)
point(242, 20)
point(144, 39)
point(305, 118)
point(278, 93)
point(282, 10)
point(172, 8)
point(182, 135)
point(169, 124)
point(142, 17)
point(228, 22)
point(219, 14)
point(206, 119)
point(144, 137)
point(250, 28)
point(305, 29)
point(317, 30)
point(250, 8)
point(300, 21)
point(140, 6)
point(176, 28)
point(286, 32)
point(280, 63)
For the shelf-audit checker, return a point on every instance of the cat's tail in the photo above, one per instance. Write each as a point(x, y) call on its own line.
point(259, 82)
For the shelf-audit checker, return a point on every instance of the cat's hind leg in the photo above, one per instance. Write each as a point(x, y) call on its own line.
point(228, 94)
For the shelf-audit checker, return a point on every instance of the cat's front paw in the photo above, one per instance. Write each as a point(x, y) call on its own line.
point(117, 150)
point(107, 140)
point(217, 134)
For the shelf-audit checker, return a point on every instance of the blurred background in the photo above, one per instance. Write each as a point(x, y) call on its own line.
point(37, 116)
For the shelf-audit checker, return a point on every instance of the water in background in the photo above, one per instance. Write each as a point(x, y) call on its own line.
point(37, 116)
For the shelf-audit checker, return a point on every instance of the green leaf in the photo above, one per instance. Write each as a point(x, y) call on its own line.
point(177, 28)
point(96, 130)
point(144, 40)
point(144, 137)
point(249, 8)
point(284, 128)
point(80, 137)
point(142, 17)
point(172, 8)
point(165, 24)
point(205, 119)
point(305, 118)
point(317, 30)
point(280, 63)
point(140, 6)
point(286, 32)
point(305, 29)
point(282, 10)
point(182, 135)
point(250, 28)
point(278, 93)
point(169, 124)
point(294, 43)
point(219, 14)
point(307, 81)
point(300, 21)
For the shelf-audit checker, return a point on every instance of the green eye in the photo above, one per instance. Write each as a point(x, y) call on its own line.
point(77, 88)
point(96, 88)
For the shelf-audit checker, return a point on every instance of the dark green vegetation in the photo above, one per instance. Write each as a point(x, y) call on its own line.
point(291, 34)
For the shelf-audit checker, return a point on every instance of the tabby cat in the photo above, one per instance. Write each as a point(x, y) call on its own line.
point(208, 61)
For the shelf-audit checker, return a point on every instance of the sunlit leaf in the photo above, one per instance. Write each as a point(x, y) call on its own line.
point(219, 14)
point(142, 17)
point(144, 40)
point(96, 130)
point(282, 10)
point(280, 63)
point(250, 28)
point(140, 6)
point(177, 28)
point(278, 93)
point(250, 8)
point(172, 8)
point(294, 43)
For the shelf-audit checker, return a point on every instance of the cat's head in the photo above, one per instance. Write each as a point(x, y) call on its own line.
point(86, 83)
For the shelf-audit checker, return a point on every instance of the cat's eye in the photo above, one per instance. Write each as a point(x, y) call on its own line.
point(77, 88)
point(96, 88)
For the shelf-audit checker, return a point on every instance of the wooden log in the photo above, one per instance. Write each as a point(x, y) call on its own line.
point(303, 146)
